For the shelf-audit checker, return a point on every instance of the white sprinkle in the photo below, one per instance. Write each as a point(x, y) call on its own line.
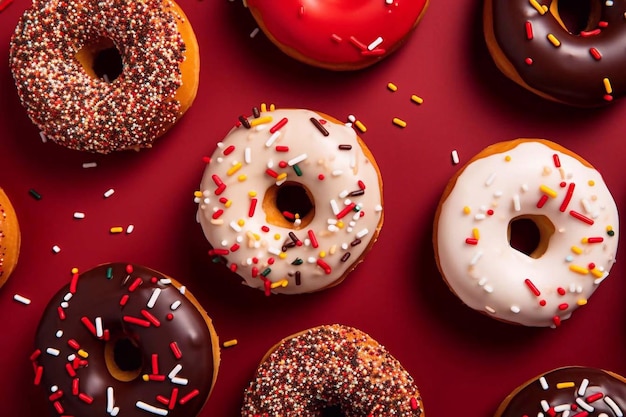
point(497, 194)
point(59, 334)
point(344, 194)
point(336, 172)
point(56, 249)
point(516, 203)
point(109, 193)
point(375, 44)
point(515, 309)
point(273, 251)
point(609, 3)
point(272, 139)
point(545, 405)
point(311, 260)
point(247, 155)
point(490, 179)
point(65, 304)
point(179, 381)
point(99, 331)
point(332, 228)
point(151, 409)
point(562, 407)
point(488, 289)
point(566, 413)
point(43, 137)
point(175, 371)
point(524, 187)
point(362, 233)
point(351, 118)
point(618, 412)
point(332, 221)
point(110, 400)
point(21, 299)
point(235, 226)
point(455, 157)
point(378, 208)
point(482, 281)
point(71, 357)
point(490, 310)
point(583, 387)
point(53, 351)
point(476, 258)
point(130, 229)
point(603, 415)
point(79, 215)
point(182, 289)
point(586, 205)
point(297, 159)
point(90, 164)
point(480, 216)
point(153, 298)
point(54, 388)
point(175, 305)
point(334, 206)
point(115, 411)
point(254, 32)
point(544, 383)
point(598, 281)
point(165, 281)
point(388, 1)
point(584, 405)
point(68, 296)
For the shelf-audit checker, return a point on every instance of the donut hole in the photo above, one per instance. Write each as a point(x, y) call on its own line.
point(101, 59)
point(285, 203)
point(332, 411)
point(530, 234)
point(576, 16)
point(123, 359)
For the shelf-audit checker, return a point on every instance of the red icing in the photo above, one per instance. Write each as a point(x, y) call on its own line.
point(338, 32)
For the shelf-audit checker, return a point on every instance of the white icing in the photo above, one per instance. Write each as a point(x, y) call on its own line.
point(315, 155)
point(494, 263)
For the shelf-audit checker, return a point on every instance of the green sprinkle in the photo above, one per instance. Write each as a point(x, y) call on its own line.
point(610, 233)
point(109, 273)
point(298, 261)
point(298, 170)
point(266, 272)
point(35, 194)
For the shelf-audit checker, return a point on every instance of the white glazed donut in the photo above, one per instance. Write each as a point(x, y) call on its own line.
point(572, 208)
point(292, 200)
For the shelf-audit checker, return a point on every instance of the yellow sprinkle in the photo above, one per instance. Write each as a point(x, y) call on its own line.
point(242, 178)
point(277, 236)
point(263, 107)
point(197, 194)
point(340, 224)
point(417, 99)
point(282, 283)
point(553, 40)
point(360, 126)
point(609, 228)
point(399, 122)
point(272, 107)
point(581, 302)
point(392, 87)
point(476, 233)
point(281, 176)
point(507, 158)
point(607, 86)
point(584, 240)
point(145, 377)
point(260, 120)
point(252, 193)
point(229, 343)
point(544, 7)
point(74, 270)
point(548, 191)
point(82, 353)
point(576, 250)
point(467, 210)
point(241, 222)
point(282, 255)
point(597, 273)
point(228, 203)
point(561, 385)
point(116, 229)
point(537, 6)
point(256, 236)
point(332, 249)
point(322, 254)
point(591, 183)
point(579, 269)
point(234, 169)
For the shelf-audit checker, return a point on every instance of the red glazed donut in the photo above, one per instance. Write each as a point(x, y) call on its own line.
point(124, 339)
point(531, 45)
point(338, 35)
point(54, 54)
point(331, 366)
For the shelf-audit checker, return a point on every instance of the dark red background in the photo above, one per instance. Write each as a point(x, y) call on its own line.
point(463, 362)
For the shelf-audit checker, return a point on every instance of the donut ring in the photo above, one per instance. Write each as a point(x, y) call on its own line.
point(526, 182)
point(329, 366)
point(10, 238)
point(52, 60)
point(532, 46)
point(337, 35)
point(590, 392)
point(291, 200)
point(128, 340)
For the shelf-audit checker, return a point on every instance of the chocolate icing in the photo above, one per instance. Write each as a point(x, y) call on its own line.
point(568, 73)
point(96, 295)
point(527, 402)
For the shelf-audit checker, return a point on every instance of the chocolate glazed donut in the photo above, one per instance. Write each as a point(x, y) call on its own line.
point(531, 45)
point(124, 339)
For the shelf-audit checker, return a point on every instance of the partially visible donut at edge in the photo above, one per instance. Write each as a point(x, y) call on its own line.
point(52, 56)
point(526, 180)
point(338, 35)
point(10, 238)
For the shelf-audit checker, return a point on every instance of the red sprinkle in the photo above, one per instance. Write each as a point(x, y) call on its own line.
point(542, 201)
point(414, 404)
point(595, 54)
point(228, 150)
point(587, 33)
point(557, 322)
point(595, 240)
point(528, 61)
point(5, 4)
point(471, 241)
point(561, 290)
point(217, 180)
point(532, 287)
point(591, 265)
point(124, 300)
point(176, 350)
point(217, 214)
point(563, 306)
point(55, 395)
point(313, 238)
point(320, 177)
point(61, 313)
point(252, 208)
point(347, 209)
point(58, 407)
point(267, 284)
point(75, 387)
point(278, 125)
point(529, 30)
point(603, 23)
point(594, 397)
point(361, 184)
point(155, 322)
point(235, 247)
point(137, 282)
point(557, 161)
point(73, 344)
point(70, 370)
point(35, 354)
point(327, 269)
point(271, 173)
point(163, 400)
point(173, 398)
point(581, 217)
point(85, 398)
point(568, 197)
point(89, 325)
point(189, 396)
point(220, 252)
point(38, 375)
point(135, 320)
point(281, 148)
point(155, 363)
point(74, 283)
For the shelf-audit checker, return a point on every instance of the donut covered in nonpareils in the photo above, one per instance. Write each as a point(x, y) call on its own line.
point(53, 58)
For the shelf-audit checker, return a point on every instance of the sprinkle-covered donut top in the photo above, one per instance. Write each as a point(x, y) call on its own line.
point(586, 69)
point(79, 111)
point(570, 392)
point(545, 183)
point(84, 359)
point(335, 33)
point(273, 247)
point(331, 365)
